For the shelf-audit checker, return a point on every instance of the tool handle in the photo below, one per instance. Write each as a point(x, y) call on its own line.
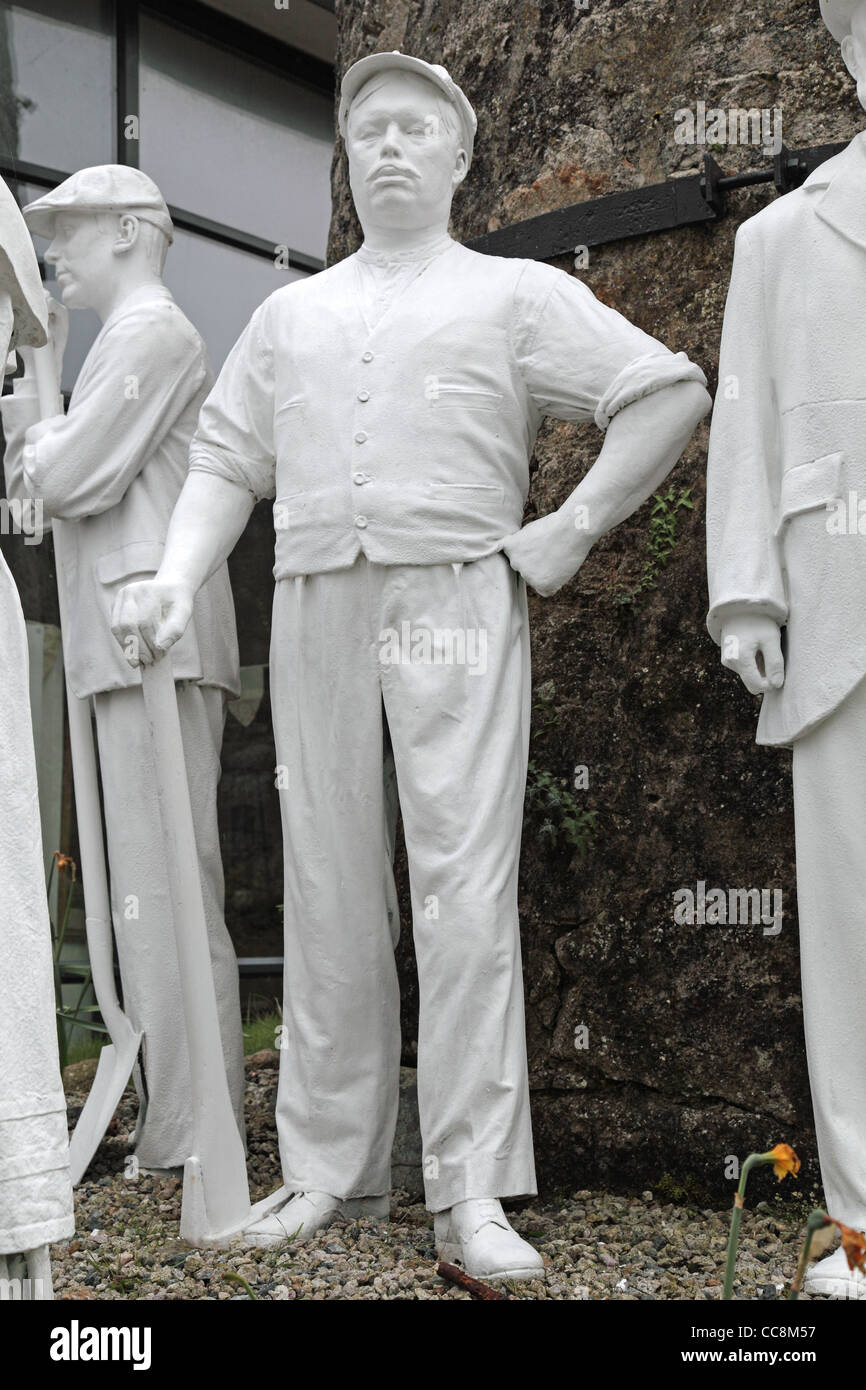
point(39, 362)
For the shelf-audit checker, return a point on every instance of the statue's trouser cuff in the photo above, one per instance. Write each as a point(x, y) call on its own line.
point(141, 906)
point(830, 815)
point(437, 655)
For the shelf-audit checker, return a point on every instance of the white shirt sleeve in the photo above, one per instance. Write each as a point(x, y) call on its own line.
point(580, 359)
point(235, 434)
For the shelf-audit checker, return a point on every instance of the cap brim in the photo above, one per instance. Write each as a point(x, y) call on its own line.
point(40, 220)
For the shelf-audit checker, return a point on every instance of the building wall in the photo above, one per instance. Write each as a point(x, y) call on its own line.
point(694, 1033)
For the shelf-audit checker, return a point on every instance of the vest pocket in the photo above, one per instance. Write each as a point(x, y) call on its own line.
point(448, 396)
point(466, 491)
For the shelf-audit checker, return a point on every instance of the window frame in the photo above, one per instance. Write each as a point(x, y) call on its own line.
point(229, 34)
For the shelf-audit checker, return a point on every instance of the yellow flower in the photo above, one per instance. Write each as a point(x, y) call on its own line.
point(784, 1161)
point(65, 863)
point(854, 1245)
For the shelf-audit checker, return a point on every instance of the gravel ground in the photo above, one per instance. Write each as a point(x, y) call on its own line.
point(595, 1246)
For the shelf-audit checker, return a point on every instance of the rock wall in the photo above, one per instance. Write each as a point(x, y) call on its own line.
point(693, 1034)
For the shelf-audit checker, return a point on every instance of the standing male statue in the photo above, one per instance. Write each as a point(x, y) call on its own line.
point(786, 542)
point(35, 1187)
point(389, 405)
point(113, 467)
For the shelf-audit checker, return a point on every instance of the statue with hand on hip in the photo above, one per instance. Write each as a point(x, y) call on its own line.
point(389, 407)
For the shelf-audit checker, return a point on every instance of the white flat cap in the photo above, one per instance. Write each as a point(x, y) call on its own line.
point(365, 68)
point(837, 16)
point(103, 188)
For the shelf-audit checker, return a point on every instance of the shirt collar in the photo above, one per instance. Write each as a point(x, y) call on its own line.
point(840, 187)
point(142, 295)
point(425, 252)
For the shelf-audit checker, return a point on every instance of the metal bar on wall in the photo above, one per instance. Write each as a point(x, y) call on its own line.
point(659, 207)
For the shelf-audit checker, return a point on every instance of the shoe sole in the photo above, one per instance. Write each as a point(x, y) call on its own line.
point(836, 1288)
point(453, 1255)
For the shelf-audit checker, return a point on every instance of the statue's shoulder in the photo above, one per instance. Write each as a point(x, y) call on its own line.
point(507, 279)
point(780, 221)
point(308, 290)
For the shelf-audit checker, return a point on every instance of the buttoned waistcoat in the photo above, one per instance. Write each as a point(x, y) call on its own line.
point(411, 440)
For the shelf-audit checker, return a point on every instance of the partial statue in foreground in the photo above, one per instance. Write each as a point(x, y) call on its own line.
point(35, 1187)
point(786, 540)
point(389, 406)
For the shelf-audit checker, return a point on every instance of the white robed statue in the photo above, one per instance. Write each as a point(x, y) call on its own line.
point(35, 1188)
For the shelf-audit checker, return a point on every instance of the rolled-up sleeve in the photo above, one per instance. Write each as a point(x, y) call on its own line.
point(582, 360)
point(234, 438)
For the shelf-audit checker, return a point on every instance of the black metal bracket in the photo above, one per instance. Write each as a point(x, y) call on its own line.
point(681, 202)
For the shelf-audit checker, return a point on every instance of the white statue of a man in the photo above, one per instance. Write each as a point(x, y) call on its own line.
point(35, 1187)
point(786, 545)
point(112, 468)
point(389, 405)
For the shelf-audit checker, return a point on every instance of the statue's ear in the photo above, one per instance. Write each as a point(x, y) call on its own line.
point(127, 233)
point(849, 57)
point(461, 168)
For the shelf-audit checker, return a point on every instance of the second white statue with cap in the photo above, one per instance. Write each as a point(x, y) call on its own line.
point(112, 468)
point(389, 407)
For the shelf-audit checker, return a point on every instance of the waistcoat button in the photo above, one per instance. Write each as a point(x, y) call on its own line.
point(367, 357)
point(360, 522)
point(363, 395)
point(360, 437)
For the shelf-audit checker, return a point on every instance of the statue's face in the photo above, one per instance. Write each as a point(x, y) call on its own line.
point(405, 152)
point(82, 252)
point(854, 51)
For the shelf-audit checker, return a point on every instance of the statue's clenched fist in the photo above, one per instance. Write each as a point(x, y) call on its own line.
point(148, 617)
point(752, 646)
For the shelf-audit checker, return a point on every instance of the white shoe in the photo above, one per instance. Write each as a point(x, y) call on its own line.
point(478, 1234)
point(832, 1277)
point(306, 1213)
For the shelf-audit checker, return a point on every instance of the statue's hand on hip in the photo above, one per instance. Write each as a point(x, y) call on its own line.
point(752, 646)
point(148, 617)
point(547, 552)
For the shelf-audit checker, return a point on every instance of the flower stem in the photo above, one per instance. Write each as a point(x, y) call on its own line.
point(736, 1217)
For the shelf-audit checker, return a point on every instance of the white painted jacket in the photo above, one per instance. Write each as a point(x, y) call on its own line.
point(788, 437)
point(411, 441)
point(114, 468)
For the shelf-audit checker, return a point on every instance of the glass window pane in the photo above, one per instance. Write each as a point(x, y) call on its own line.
point(227, 139)
point(218, 288)
point(57, 83)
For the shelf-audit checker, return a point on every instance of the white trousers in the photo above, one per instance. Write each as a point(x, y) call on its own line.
point(142, 913)
point(459, 733)
point(830, 815)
